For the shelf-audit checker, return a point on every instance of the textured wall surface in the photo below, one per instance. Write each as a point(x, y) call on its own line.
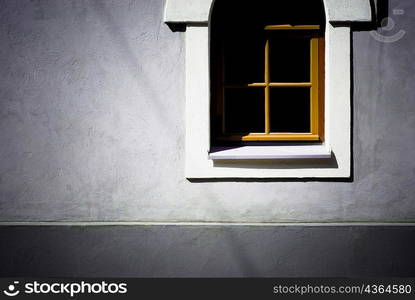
point(92, 128)
point(207, 251)
point(92, 124)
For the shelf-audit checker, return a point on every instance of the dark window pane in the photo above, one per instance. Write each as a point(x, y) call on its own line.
point(290, 110)
point(244, 110)
point(290, 59)
point(244, 58)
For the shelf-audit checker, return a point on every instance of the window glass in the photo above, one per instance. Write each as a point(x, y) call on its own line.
point(244, 110)
point(290, 59)
point(290, 109)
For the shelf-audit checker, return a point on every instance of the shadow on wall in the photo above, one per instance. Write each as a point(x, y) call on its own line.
point(131, 61)
point(380, 9)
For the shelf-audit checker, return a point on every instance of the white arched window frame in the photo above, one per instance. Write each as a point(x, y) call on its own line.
point(332, 159)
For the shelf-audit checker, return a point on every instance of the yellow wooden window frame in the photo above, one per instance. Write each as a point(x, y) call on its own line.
point(316, 86)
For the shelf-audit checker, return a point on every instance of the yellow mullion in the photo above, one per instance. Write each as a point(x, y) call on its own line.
point(314, 90)
point(267, 90)
point(222, 89)
point(321, 72)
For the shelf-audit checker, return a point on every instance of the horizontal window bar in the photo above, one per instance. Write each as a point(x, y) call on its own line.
point(290, 84)
point(271, 84)
point(292, 27)
point(272, 137)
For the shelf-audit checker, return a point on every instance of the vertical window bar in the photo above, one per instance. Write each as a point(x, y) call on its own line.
point(314, 90)
point(267, 90)
point(221, 96)
point(321, 54)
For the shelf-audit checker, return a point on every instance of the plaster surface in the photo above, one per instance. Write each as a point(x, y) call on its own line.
point(92, 124)
point(207, 251)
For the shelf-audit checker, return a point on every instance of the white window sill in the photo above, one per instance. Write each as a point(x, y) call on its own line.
point(270, 152)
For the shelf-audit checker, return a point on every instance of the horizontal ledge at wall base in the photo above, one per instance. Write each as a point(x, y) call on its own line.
point(258, 224)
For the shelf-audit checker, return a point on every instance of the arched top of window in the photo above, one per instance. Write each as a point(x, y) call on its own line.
point(337, 11)
point(234, 15)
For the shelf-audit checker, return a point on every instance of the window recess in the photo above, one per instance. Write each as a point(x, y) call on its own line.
point(272, 88)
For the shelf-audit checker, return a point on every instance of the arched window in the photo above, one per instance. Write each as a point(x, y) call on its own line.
point(267, 71)
point(261, 72)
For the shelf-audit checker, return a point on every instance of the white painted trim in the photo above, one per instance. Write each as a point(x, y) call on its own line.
point(337, 98)
point(187, 11)
point(197, 11)
point(284, 224)
point(337, 115)
point(271, 152)
point(348, 11)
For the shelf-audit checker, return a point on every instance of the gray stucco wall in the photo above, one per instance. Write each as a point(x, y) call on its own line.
point(207, 251)
point(92, 124)
point(92, 129)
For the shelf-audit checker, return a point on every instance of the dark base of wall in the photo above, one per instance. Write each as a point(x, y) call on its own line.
point(206, 251)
